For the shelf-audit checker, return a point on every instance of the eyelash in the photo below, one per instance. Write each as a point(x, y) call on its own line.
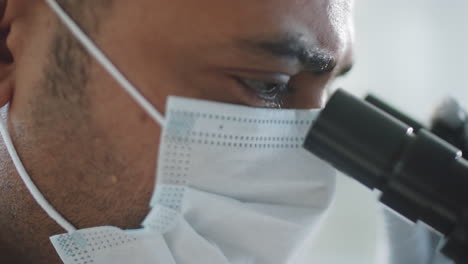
point(269, 92)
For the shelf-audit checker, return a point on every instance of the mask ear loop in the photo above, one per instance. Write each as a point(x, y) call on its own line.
point(102, 59)
point(40, 199)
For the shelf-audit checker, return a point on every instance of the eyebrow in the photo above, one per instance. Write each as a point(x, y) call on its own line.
point(312, 57)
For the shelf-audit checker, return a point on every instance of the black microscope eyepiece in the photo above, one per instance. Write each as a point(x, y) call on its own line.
point(420, 175)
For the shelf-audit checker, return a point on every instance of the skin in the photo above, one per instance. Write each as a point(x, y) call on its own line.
point(87, 145)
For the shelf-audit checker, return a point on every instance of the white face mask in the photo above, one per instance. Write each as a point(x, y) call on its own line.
point(234, 185)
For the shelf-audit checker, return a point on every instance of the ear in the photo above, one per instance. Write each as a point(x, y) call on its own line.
point(6, 58)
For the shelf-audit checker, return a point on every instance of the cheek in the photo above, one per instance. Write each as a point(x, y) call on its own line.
point(115, 113)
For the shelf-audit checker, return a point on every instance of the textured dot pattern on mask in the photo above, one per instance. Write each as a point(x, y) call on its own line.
point(162, 219)
point(240, 141)
point(81, 247)
point(184, 136)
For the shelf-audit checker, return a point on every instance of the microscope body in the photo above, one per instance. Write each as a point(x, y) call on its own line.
point(420, 176)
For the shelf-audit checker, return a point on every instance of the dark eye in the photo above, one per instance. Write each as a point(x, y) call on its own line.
point(267, 91)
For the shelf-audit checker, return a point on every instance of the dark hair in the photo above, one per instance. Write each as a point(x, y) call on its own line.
point(66, 74)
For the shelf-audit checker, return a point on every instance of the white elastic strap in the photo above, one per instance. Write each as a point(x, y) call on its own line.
point(29, 183)
point(102, 59)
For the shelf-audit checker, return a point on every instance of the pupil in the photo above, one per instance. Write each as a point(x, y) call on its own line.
point(270, 88)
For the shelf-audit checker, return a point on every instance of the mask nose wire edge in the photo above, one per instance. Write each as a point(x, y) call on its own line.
point(40, 199)
point(102, 59)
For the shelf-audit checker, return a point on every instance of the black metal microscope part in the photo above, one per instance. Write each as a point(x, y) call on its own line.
point(449, 122)
point(420, 175)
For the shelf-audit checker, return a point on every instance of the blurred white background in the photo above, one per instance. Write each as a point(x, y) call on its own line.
point(412, 54)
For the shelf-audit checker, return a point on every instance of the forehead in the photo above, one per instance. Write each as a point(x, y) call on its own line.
point(306, 15)
point(210, 28)
point(324, 22)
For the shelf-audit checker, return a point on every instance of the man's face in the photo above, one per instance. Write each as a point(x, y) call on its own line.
point(90, 149)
